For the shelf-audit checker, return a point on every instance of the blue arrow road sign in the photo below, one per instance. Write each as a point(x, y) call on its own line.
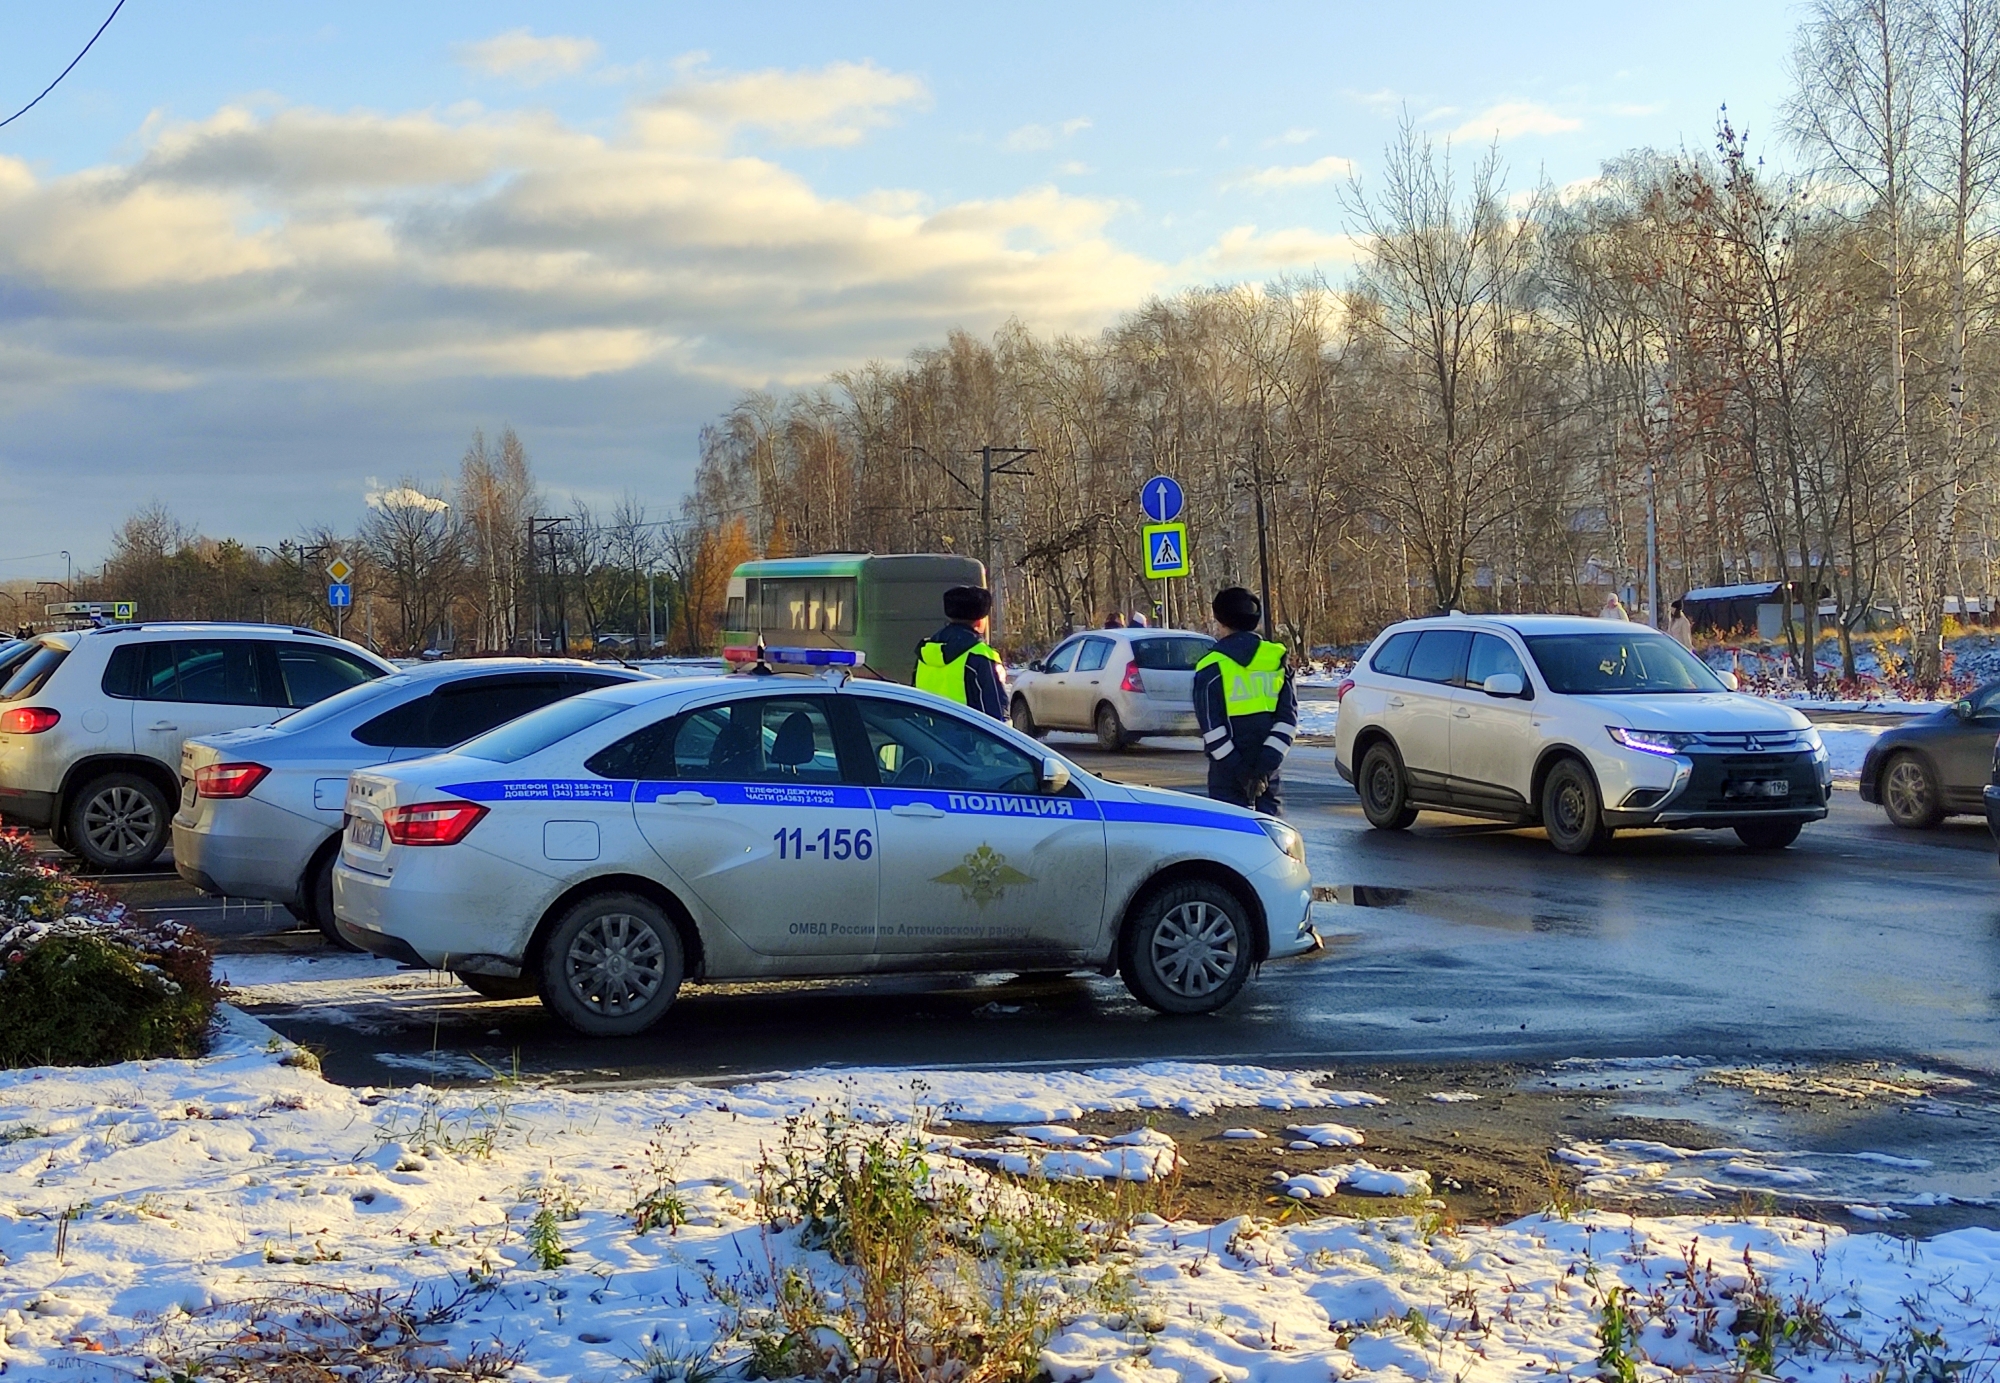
point(340, 595)
point(1161, 498)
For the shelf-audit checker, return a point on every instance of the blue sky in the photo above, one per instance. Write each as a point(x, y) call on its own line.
point(256, 260)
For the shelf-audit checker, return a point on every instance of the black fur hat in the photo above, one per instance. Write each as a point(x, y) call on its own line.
point(1237, 608)
point(968, 603)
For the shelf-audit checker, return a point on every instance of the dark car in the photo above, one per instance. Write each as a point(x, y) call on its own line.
point(1936, 765)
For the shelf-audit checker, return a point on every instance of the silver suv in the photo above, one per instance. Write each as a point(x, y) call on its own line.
point(91, 722)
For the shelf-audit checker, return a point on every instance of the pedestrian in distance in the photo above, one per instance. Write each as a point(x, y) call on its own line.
point(1680, 628)
point(1139, 620)
point(1114, 620)
point(956, 663)
point(1614, 608)
point(1246, 705)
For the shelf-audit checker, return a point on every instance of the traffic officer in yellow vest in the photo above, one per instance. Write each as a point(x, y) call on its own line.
point(1248, 710)
point(956, 663)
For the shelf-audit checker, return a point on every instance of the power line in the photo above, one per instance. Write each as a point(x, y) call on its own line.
point(66, 71)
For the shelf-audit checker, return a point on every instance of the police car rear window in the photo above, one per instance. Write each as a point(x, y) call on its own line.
point(537, 730)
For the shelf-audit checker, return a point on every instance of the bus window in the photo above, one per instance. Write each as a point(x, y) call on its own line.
point(807, 605)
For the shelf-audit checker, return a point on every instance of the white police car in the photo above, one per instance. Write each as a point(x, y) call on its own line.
point(601, 850)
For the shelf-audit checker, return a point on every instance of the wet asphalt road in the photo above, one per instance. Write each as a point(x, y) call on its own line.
point(1455, 940)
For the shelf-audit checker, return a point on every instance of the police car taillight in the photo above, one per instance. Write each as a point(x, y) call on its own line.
point(1132, 681)
point(432, 823)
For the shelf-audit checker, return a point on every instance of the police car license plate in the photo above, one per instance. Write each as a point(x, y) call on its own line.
point(1759, 787)
point(365, 834)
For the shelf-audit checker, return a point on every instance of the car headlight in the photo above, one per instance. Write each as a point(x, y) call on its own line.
point(1652, 741)
point(1810, 738)
point(1284, 837)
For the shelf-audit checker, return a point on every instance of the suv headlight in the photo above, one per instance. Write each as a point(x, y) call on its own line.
point(1652, 741)
point(1284, 837)
point(1809, 737)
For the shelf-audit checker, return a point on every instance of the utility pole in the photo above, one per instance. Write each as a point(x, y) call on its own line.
point(559, 630)
point(1652, 553)
point(1008, 463)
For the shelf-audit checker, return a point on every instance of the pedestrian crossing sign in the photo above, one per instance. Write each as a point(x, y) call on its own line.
point(1166, 549)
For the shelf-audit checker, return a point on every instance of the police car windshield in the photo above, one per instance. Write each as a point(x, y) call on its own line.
point(537, 730)
point(340, 703)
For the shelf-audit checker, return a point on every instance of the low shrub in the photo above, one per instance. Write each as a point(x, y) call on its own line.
point(83, 982)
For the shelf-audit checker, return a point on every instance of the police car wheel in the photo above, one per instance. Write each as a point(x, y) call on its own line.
point(1022, 717)
point(1188, 949)
point(612, 966)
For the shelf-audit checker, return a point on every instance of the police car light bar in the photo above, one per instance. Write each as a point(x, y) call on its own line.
point(796, 657)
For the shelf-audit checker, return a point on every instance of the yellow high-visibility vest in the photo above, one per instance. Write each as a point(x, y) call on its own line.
point(947, 680)
point(1249, 690)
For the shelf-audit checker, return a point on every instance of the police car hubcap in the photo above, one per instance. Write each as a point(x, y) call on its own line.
point(616, 963)
point(1194, 949)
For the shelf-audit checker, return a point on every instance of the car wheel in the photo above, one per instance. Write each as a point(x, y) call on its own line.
point(1910, 793)
point(1022, 717)
point(522, 986)
point(1188, 950)
point(1572, 811)
point(1769, 835)
point(1385, 794)
point(1111, 736)
point(118, 821)
point(318, 892)
point(612, 966)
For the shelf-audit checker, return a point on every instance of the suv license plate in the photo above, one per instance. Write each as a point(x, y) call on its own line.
point(1759, 787)
point(365, 834)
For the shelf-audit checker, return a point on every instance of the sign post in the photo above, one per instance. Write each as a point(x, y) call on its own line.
point(339, 593)
point(1166, 541)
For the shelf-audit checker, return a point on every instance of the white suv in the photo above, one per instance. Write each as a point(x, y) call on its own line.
point(1582, 726)
point(91, 722)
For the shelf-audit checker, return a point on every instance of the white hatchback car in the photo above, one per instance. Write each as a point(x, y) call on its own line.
point(1580, 725)
point(1119, 684)
point(600, 850)
point(91, 722)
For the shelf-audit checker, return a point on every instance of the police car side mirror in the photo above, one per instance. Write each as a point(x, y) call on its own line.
point(1729, 681)
point(1503, 684)
point(1055, 776)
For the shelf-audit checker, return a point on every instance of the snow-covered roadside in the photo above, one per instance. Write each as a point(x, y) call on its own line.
point(1847, 746)
point(178, 1189)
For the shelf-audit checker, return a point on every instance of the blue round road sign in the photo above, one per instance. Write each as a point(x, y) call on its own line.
point(1161, 498)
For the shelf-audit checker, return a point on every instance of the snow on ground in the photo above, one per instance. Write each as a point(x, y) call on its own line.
point(180, 1189)
point(1319, 717)
point(1847, 746)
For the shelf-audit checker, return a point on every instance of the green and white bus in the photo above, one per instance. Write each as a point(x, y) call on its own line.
point(882, 605)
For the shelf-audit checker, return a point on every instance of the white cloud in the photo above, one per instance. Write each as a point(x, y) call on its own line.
point(1033, 138)
point(1512, 119)
point(308, 245)
point(1243, 251)
point(401, 497)
point(1295, 135)
point(1299, 175)
point(832, 105)
point(527, 57)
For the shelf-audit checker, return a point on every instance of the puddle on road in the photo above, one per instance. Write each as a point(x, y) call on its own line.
point(1504, 909)
point(1879, 1139)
